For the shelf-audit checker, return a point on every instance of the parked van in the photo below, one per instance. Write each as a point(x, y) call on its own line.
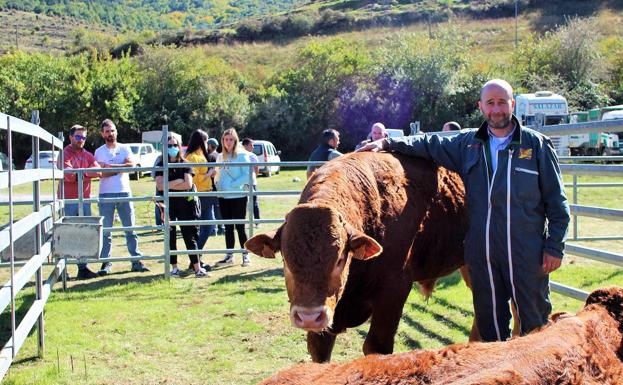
point(266, 152)
point(144, 155)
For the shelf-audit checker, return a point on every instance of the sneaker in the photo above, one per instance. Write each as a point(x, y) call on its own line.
point(245, 260)
point(85, 273)
point(228, 260)
point(175, 273)
point(139, 267)
point(204, 266)
point(105, 269)
point(220, 231)
point(201, 273)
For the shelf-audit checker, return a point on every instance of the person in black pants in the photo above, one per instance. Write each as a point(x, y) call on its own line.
point(180, 208)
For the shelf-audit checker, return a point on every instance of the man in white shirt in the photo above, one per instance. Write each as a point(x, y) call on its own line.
point(116, 185)
point(247, 143)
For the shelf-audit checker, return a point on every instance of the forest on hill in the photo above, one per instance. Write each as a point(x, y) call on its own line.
point(289, 92)
point(152, 14)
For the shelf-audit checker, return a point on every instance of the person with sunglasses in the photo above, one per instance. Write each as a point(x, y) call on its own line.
point(180, 208)
point(75, 156)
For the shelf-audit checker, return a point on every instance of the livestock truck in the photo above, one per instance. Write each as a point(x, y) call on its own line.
point(554, 108)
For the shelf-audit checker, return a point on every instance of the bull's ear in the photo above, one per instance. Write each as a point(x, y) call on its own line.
point(265, 245)
point(363, 246)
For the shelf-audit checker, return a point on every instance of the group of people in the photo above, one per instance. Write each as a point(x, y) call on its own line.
point(114, 191)
point(518, 210)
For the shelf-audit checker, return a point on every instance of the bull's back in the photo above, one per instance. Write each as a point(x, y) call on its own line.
point(412, 207)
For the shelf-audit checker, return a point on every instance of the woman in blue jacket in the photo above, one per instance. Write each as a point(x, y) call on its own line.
point(233, 179)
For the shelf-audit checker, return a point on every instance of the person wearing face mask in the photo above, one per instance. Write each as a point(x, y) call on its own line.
point(180, 208)
point(233, 179)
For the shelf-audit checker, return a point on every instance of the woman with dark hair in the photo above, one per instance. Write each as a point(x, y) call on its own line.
point(197, 152)
point(233, 179)
point(180, 208)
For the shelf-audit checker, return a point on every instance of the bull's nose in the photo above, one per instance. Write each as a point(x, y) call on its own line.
point(312, 319)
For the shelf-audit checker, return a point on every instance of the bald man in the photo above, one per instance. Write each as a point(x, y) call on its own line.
point(519, 213)
point(377, 131)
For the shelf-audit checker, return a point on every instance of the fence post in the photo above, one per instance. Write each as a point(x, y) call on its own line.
point(575, 202)
point(11, 248)
point(36, 206)
point(250, 199)
point(165, 194)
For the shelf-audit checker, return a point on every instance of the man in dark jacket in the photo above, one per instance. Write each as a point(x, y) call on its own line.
point(518, 209)
point(327, 149)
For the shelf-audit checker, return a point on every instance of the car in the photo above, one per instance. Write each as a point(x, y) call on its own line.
point(4, 162)
point(266, 152)
point(144, 155)
point(46, 160)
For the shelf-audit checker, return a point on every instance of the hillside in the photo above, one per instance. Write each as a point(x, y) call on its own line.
point(78, 25)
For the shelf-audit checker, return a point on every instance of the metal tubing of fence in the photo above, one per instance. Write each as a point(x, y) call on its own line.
point(575, 202)
point(568, 291)
point(36, 202)
point(582, 128)
point(597, 212)
point(165, 194)
point(11, 248)
point(592, 169)
point(596, 255)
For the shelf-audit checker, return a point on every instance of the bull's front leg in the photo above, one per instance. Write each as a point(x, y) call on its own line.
point(384, 323)
point(320, 346)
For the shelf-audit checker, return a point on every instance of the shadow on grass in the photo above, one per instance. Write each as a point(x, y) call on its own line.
point(111, 280)
point(251, 276)
point(25, 302)
point(428, 333)
point(443, 319)
point(600, 280)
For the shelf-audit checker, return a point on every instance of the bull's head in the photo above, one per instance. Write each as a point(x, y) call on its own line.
point(317, 245)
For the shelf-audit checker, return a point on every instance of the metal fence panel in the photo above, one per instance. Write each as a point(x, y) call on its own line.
point(24, 127)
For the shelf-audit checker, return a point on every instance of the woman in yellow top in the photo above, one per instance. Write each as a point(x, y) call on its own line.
point(197, 152)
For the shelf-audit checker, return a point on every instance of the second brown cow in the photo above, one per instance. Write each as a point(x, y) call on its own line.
point(367, 226)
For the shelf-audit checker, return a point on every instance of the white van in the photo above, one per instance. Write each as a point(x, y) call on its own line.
point(144, 155)
point(266, 152)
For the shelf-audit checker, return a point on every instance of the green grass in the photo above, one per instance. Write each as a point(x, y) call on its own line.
point(233, 328)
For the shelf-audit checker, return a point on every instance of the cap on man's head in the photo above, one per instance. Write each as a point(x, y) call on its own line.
point(212, 142)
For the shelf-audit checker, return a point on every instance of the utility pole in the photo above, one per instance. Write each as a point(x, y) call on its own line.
point(516, 29)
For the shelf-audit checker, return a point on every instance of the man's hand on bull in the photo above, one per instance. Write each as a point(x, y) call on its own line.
point(377, 145)
point(550, 263)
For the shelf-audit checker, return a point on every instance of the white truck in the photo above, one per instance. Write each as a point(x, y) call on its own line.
point(555, 109)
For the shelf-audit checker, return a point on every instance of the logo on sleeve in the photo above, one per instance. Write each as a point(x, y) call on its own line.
point(525, 153)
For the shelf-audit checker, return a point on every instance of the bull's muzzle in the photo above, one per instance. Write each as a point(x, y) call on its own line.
point(314, 319)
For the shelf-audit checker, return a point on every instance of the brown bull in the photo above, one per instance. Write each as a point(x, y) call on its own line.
point(367, 226)
point(585, 349)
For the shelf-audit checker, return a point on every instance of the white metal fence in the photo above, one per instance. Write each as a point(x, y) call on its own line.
point(36, 221)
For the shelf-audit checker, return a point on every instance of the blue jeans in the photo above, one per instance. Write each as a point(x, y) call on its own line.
point(126, 214)
point(72, 209)
point(208, 207)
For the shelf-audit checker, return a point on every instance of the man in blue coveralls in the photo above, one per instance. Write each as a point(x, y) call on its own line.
point(518, 210)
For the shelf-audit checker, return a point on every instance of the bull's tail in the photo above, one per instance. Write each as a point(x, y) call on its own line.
point(426, 287)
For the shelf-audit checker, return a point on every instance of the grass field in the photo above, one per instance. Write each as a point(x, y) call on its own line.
point(233, 327)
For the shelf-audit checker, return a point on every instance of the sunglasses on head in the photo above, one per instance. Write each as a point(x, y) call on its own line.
point(79, 137)
point(172, 145)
